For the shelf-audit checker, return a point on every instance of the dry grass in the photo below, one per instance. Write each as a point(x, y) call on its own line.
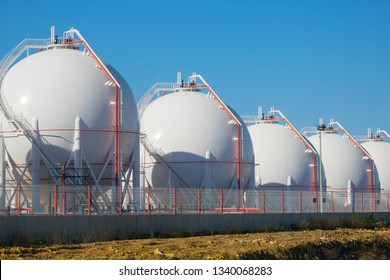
point(307, 244)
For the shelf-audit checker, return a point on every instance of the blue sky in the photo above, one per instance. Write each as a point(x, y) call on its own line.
point(310, 59)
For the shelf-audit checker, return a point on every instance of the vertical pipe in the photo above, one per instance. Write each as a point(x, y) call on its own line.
point(77, 159)
point(332, 201)
point(77, 144)
point(239, 155)
point(263, 201)
point(371, 184)
point(239, 127)
point(117, 138)
point(148, 199)
point(243, 200)
point(19, 200)
point(63, 190)
point(136, 172)
point(120, 200)
point(174, 201)
point(315, 173)
point(320, 174)
point(199, 207)
point(55, 200)
point(300, 201)
point(63, 201)
point(2, 169)
point(220, 201)
point(89, 200)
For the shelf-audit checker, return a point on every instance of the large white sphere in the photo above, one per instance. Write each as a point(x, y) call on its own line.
point(184, 127)
point(279, 154)
point(380, 152)
point(56, 86)
point(342, 161)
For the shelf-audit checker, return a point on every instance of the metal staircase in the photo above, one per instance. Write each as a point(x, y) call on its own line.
point(158, 154)
point(18, 121)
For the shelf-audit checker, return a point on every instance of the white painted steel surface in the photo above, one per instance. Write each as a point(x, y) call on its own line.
point(279, 154)
point(56, 86)
point(342, 161)
point(380, 153)
point(194, 133)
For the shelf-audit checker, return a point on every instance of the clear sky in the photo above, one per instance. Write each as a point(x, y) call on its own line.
point(310, 59)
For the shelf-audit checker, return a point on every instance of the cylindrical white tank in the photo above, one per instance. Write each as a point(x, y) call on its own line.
point(281, 158)
point(55, 87)
point(196, 136)
point(380, 153)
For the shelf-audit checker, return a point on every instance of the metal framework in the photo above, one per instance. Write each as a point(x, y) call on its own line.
point(380, 135)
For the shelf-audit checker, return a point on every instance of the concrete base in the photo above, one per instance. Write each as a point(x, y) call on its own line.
point(59, 229)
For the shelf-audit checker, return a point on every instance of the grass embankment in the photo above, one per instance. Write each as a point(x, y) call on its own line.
point(341, 243)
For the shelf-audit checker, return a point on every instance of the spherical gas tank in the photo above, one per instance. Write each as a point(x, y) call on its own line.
point(281, 158)
point(380, 153)
point(55, 88)
point(196, 137)
point(342, 161)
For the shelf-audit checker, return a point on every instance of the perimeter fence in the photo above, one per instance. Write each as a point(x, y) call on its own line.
point(107, 200)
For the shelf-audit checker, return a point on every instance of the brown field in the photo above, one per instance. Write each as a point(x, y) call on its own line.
point(309, 244)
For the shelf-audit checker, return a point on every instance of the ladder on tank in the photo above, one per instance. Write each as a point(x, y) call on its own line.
point(158, 155)
point(20, 123)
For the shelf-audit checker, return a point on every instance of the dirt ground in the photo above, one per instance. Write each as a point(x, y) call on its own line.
point(310, 244)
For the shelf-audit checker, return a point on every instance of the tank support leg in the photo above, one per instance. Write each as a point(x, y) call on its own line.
point(35, 172)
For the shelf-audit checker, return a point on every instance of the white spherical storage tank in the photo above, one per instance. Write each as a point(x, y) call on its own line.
point(281, 158)
point(65, 97)
point(342, 161)
point(348, 171)
point(380, 152)
point(194, 134)
point(57, 86)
